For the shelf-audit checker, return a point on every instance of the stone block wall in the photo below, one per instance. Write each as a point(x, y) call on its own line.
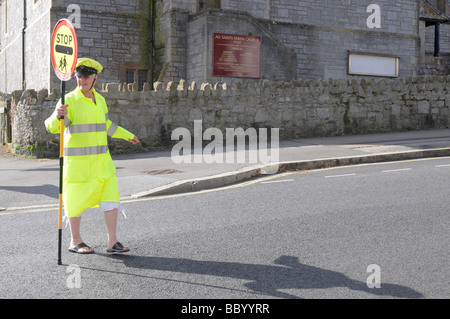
point(300, 108)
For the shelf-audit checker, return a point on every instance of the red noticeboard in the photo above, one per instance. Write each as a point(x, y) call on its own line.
point(236, 55)
point(64, 49)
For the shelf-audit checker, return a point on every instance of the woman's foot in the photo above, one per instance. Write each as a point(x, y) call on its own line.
point(117, 248)
point(81, 248)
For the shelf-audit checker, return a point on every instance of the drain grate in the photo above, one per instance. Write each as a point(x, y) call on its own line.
point(162, 172)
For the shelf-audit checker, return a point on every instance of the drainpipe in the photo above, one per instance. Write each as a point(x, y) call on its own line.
point(23, 43)
point(151, 42)
point(437, 47)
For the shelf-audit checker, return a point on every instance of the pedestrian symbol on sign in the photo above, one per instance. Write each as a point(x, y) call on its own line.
point(63, 64)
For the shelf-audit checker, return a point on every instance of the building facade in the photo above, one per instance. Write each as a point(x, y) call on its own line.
point(107, 30)
point(305, 39)
point(141, 41)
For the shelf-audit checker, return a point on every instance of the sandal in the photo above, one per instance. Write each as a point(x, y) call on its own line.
point(77, 249)
point(117, 248)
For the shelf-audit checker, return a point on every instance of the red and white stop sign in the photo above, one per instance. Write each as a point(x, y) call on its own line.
point(64, 49)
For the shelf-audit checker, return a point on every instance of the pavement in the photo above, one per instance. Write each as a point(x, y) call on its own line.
point(156, 173)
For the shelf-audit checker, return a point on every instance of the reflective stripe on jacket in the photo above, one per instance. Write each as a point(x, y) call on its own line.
point(89, 173)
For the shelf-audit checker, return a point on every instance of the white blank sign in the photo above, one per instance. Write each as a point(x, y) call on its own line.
point(376, 65)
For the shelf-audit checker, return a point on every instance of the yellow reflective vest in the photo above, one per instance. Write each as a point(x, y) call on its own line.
point(89, 175)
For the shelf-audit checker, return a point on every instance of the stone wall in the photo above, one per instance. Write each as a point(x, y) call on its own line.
point(300, 108)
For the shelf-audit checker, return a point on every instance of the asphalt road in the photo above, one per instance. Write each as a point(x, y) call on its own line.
point(315, 234)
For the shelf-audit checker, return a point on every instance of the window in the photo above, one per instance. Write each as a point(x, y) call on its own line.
point(142, 78)
point(130, 76)
point(137, 76)
point(438, 4)
point(443, 6)
point(205, 4)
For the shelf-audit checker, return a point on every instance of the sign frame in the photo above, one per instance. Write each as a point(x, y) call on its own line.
point(373, 64)
point(71, 50)
point(239, 49)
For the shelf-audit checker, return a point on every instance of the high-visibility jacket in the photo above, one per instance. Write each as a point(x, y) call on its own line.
point(89, 175)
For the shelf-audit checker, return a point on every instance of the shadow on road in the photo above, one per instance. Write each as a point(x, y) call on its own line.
point(287, 273)
point(48, 190)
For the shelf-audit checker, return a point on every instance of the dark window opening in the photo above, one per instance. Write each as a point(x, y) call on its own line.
point(137, 76)
point(205, 4)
